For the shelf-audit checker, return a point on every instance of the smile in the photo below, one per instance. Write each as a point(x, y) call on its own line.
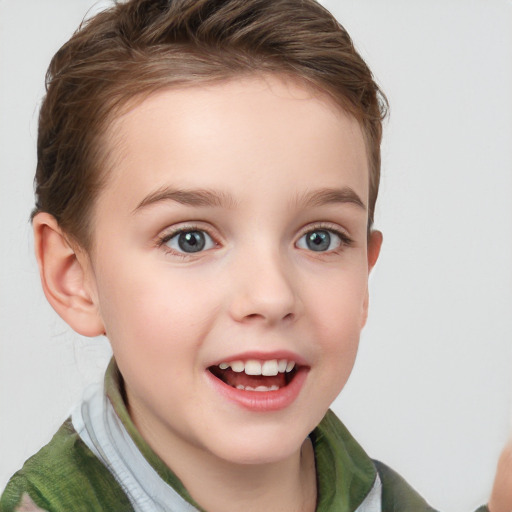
point(253, 375)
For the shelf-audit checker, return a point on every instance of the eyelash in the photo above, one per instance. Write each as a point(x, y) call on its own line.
point(167, 237)
point(345, 240)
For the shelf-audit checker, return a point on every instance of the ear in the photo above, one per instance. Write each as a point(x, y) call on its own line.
point(374, 245)
point(373, 251)
point(66, 277)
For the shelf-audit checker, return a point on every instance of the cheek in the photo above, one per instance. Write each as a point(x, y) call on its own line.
point(154, 311)
point(338, 311)
point(338, 302)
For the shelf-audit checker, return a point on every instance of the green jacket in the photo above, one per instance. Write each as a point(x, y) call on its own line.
point(66, 475)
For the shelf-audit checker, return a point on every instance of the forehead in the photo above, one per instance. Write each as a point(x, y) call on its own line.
point(250, 132)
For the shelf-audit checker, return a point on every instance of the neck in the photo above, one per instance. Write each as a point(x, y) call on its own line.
point(220, 486)
point(284, 486)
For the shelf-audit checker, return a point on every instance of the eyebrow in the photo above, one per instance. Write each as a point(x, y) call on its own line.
point(196, 197)
point(325, 196)
point(212, 198)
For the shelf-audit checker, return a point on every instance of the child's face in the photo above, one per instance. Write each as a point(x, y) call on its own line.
point(233, 228)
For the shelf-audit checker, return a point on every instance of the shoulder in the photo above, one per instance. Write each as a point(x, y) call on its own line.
point(397, 494)
point(64, 475)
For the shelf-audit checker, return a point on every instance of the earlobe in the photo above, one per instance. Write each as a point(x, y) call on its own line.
point(64, 279)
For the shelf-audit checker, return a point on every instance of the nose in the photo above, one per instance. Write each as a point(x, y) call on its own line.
point(265, 290)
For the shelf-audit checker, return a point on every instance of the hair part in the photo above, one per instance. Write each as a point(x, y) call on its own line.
point(137, 47)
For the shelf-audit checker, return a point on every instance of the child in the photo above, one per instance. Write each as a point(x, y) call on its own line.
point(206, 184)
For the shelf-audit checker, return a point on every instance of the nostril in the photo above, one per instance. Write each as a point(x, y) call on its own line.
point(253, 315)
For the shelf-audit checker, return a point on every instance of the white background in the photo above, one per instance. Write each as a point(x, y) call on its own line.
point(431, 393)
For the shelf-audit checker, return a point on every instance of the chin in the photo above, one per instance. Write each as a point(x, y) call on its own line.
point(260, 445)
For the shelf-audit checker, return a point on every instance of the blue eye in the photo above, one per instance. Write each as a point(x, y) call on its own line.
point(190, 241)
point(320, 240)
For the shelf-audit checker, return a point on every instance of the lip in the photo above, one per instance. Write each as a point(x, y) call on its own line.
point(262, 401)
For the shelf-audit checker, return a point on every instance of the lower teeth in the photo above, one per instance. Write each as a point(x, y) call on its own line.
point(259, 388)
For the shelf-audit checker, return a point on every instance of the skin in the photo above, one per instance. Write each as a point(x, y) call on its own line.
point(501, 498)
point(268, 148)
point(266, 144)
point(257, 287)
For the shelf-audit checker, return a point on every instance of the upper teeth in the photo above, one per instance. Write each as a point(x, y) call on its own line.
point(254, 367)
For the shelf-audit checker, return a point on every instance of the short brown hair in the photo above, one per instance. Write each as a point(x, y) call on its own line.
point(140, 46)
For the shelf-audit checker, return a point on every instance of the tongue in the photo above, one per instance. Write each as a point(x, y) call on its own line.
point(235, 379)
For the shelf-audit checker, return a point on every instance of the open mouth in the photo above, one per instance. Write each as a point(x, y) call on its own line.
point(253, 375)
